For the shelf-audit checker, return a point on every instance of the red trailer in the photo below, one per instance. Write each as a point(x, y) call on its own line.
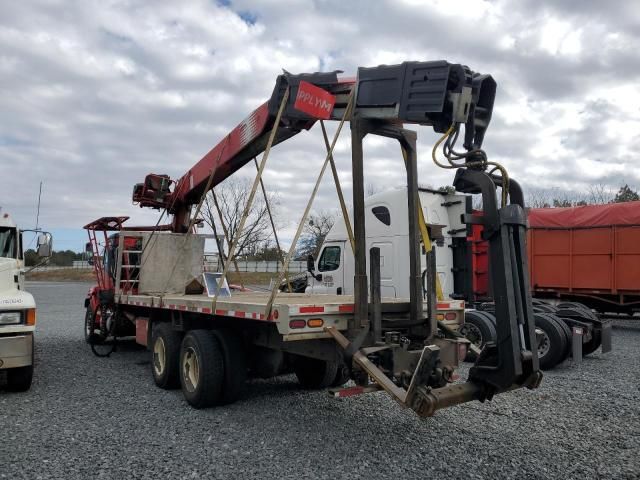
point(590, 254)
point(580, 258)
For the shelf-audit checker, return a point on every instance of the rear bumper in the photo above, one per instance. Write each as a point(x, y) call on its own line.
point(16, 351)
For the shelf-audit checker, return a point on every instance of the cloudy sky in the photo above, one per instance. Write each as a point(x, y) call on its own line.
point(96, 94)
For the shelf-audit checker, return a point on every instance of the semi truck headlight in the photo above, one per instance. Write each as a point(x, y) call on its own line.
point(10, 318)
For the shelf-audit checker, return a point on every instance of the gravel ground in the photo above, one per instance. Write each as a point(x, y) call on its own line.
point(104, 418)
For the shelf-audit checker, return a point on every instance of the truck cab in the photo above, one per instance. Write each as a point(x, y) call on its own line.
point(387, 228)
point(17, 306)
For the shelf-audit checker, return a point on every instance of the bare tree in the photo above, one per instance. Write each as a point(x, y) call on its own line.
point(231, 196)
point(599, 194)
point(538, 198)
point(315, 231)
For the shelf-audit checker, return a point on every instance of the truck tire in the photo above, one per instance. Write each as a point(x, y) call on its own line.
point(313, 373)
point(576, 310)
point(566, 329)
point(88, 325)
point(201, 369)
point(553, 346)
point(593, 344)
point(479, 328)
point(235, 365)
point(582, 313)
point(543, 308)
point(165, 356)
point(342, 376)
point(19, 379)
point(573, 305)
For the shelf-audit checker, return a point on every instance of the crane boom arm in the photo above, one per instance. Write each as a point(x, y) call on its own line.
point(429, 93)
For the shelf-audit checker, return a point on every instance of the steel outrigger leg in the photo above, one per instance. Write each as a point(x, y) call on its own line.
point(513, 361)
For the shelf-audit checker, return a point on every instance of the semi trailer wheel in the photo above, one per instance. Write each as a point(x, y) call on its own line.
point(479, 328)
point(543, 308)
point(578, 310)
point(165, 356)
point(593, 344)
point(552, 346)
point(565, 328)
point(582, 313)
point(201, 368)
point(313, 373)
point(19, 379)
point(235, 365)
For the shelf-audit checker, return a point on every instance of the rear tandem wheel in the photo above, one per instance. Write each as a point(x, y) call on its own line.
point(313, 373)
point(165, 356)
point(201, 368)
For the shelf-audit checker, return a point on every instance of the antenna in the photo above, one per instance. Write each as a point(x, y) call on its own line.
point(38, 212)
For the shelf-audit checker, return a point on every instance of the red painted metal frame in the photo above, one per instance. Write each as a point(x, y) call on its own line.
point(102, 277)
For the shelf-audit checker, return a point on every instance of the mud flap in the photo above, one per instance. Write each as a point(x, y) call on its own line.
point(606, 337)
point(577, 333)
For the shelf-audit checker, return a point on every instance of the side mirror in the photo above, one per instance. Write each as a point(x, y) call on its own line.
point(45, 242)
point(88, 248)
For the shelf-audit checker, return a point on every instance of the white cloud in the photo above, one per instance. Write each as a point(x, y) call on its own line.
point(94, 95)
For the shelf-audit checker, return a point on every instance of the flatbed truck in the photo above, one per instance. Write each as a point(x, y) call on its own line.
point(150, 281)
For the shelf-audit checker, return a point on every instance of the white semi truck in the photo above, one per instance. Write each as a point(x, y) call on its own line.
point(17, 306)
point(388, 229)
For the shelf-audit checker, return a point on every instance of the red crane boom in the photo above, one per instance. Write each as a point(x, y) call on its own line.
point(428, 93)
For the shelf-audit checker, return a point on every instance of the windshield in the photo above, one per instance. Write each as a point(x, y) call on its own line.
point(8, 242)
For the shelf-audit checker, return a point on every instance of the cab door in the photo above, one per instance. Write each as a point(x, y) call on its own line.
point(331, 267)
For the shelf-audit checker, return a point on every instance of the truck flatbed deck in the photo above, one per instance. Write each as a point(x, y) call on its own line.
point(334, 310)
